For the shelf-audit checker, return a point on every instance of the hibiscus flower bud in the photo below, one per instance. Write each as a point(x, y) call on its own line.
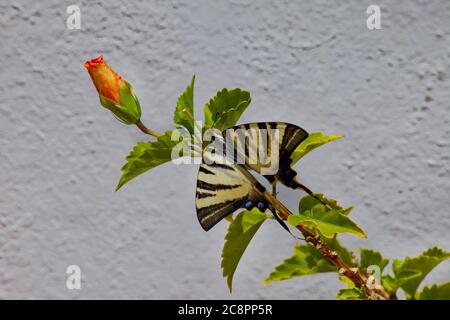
point(115, 93)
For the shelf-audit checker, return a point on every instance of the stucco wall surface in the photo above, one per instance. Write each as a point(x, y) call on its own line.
point(315, 64)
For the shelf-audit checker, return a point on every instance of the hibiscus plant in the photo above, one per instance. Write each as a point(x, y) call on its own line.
point(363, 275)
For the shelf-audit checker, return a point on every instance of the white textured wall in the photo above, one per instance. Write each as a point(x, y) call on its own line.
point(311, 63)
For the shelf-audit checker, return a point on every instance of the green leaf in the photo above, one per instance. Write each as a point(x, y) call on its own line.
point(229, 118)
point(350, 294)
point(251, 218)
point(328, 222)
point(306, 260)
point(423, 263)
point(146, 156)
point(436, 292)
point(370, 257)
point(314, 140)
point(308, 202)
point(389, 283)
point(348, 282)
point(392, 284)
point(184, 111)
point(225, 109)
point(240, 233)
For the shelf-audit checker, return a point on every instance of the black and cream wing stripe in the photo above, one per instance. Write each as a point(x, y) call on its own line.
point(222, 188)
point(224, 183)
point(258, 138)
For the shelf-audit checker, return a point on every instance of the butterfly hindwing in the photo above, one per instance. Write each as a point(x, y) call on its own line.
point(222, 188)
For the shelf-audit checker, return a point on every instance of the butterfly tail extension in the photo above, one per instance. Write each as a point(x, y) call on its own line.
point(296, 185)
point(281, 222)
point(277, 217)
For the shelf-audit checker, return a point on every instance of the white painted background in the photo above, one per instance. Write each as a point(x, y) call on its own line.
point(314, 64)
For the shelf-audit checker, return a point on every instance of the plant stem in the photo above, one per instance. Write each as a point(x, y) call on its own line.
point(352, 273)
point(146, 130)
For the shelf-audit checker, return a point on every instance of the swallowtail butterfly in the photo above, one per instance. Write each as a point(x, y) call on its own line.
point(225, 183)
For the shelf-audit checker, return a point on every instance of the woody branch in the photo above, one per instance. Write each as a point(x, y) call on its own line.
point(377, 293)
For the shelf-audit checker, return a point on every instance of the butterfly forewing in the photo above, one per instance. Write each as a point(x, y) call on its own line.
point(264, 147)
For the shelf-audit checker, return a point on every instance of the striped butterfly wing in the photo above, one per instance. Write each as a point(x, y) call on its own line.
point(224, 183)
point(222, 188)
point(266, 147)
